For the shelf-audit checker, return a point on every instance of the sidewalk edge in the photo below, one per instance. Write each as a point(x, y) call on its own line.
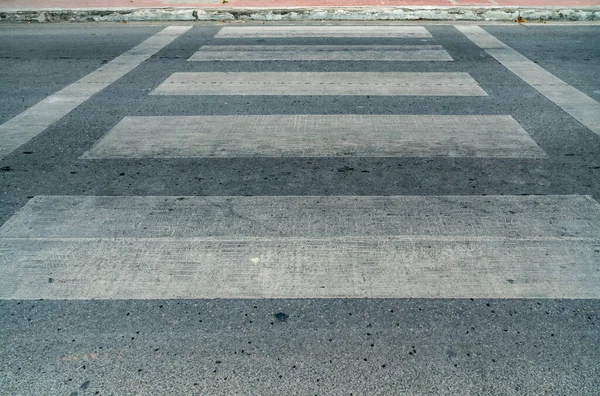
point(303, 14)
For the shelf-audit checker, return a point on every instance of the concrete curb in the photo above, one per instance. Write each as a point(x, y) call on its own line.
point(303, 14)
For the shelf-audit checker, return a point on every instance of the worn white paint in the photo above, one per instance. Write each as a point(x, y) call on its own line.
point(322, 31)
point(380, 53)
point(316, 136)
point(519, 217)
point(27, 125)
point(349, 267)
point(320, 83)
point(302, 247)
point(580, 106)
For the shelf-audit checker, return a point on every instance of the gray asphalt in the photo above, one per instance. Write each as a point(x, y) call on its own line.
point(504, 347)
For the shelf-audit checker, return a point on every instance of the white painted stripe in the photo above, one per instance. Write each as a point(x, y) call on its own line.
point(322, 31)
point(37, 118)
point(302, 247)
point(316, 136)
point(322, 48)
point(580, 106)
point(316, 83)
point(519, 217)
point(379, 53)
point(367, 267)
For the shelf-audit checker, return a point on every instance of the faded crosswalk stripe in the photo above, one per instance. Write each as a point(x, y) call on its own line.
point(71, 247)
point(321, 53)
point(320, 83)
point(317, 136)
point(322, 31)
point(580, 106)
point(37, 118)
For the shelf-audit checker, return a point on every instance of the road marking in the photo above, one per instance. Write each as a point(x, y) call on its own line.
point(580, 106)
point(414, 53)
point(27, 125)
point(302, 247)
point(367, 267)
point(317, 136)
point(322, 31)
point(523, 217)
point(316, 83)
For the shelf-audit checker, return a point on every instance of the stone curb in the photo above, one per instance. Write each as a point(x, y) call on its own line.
point(303, 14)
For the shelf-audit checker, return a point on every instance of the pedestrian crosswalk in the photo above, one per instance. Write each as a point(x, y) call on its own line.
point(143, 247)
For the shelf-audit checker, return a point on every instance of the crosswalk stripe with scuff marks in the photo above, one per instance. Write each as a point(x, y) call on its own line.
point(302, 247)
point(320, 83)
point(316, 136)
point(322, 31)
point(379, 53)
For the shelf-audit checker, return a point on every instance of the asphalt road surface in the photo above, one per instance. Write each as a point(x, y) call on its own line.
point(299, 209)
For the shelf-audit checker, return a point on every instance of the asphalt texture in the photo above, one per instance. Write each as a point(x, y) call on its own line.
point(504, 347)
